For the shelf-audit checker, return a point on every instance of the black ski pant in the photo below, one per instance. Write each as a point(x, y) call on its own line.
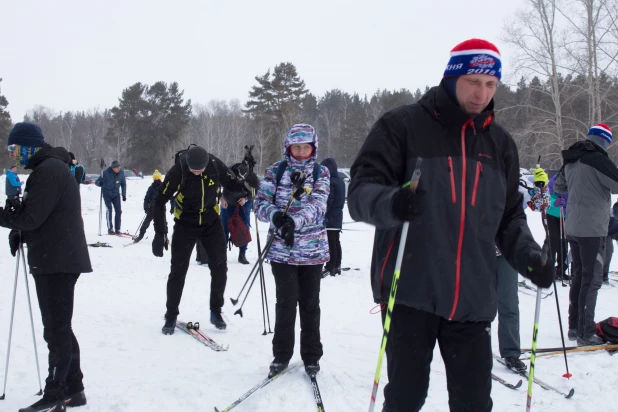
point(183, 241)
point(588, 255)
point(115, 202)
point(334, 248)
point(55, 293)
point(466, 351)
point(297, 284)
point(508, 310)
point(558, 248)
point(609, 252)
point(146, 222)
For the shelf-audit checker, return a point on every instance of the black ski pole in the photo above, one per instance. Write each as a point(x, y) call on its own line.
point(135, 234)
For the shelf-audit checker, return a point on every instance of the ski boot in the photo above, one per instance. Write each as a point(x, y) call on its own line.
point(572, 334)
point(110, 232)
point(138, 238)
point(312, 367)
point(118, 232)
point(276, 367)
point(217, 320)
point(589, 340)
point(77, 399)
point(170, 325)
point(515, 364)
point(46, 405)
point(243, 259)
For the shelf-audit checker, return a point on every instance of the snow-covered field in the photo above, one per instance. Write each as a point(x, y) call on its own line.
point(129, 365)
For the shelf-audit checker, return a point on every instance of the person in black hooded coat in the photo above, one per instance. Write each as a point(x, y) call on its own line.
point(49, 221)
point(334, 218)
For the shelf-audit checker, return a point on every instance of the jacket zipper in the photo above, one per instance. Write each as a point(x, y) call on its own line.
point(462, 219)
point(202, 208)
point(452, 174)
point(479, 170)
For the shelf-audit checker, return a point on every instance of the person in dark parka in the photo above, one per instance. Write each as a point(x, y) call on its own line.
point(334, 218)
point(149, 199)
point(49, 221)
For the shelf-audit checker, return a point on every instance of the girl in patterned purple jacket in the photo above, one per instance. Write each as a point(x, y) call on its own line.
point(300, 247)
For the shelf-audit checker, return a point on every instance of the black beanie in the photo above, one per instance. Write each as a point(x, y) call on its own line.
point(26, 134)
point(72, 155)
point(197, 158)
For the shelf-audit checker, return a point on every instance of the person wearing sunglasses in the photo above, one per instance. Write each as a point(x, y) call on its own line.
point(49, 221)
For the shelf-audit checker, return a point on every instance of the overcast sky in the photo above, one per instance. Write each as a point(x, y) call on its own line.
point(81, 54)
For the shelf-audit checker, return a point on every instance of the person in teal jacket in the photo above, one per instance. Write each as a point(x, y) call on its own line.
point(13, 185)
point(558, 245)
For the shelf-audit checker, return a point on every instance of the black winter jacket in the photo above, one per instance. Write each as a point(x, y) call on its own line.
point(471, 201)
point(151, 194)
point(50, 216)
point(196, 196)
point(336, 197)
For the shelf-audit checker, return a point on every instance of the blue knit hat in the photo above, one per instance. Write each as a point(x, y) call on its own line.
point(474, 56)
point(26, 134)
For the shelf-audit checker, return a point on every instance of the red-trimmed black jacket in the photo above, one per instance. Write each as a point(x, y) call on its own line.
point(471, 202)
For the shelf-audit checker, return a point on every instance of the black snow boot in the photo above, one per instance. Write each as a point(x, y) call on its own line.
point(217, 320)
point(118, 231)
point(243, 259)
point(111, 232)
point(170, 325)
point(515, 365)
point(312, 367)
point(46, 405)
point(589, 340)
point(572, 334)
point(338, 270)
point(277, 366)
point(138, 238)
point(77, 399)
point(326, 273)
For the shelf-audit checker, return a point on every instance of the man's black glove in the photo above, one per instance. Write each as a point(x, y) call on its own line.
point(124, 198)
point(14, 241)
point(406, 204)
point(541, 267)
point(278, 219)
point(159, 242)
point(287, 231)
point(252, 180)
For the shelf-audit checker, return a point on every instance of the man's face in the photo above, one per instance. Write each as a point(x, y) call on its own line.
point(74, 161)
point(14, 169)
point(197, 172)
point(475, 91)
point(116, 169)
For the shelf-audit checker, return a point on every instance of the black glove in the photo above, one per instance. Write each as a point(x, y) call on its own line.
point(278, 219)
point(298, 180)
point(252, 180)
point(541, 267)
point(287, 231)
point(406, 204)
point(124, 198)
point(12, 205)
point(159, 242)
point(14, 241)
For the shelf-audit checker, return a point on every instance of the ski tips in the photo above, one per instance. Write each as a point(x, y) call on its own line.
point(570, 394)
point(518, 384)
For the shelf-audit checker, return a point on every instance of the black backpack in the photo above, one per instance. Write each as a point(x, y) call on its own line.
point(608, 329)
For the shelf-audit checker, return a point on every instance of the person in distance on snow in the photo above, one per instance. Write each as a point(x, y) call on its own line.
point(151, 195)
point(12, 186)
point(467, 201)
point(299, 249)
point(334, 218)
point(110, 182)
point(228, 202)
point(195, 182)
point(77, 170)
point(49, 221)
point(590, 177)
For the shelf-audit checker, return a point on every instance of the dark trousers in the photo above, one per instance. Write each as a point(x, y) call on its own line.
point(334, 248)
point(297, 284)
point(115, 202)
point(588, 255)
point(183, 242)
point(146, 223)
point(558, 249)
point(466, 351)
point(508, 310)
point(609, 252)
point(55, 293)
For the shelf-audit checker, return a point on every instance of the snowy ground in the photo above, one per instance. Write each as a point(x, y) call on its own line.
point(130, 366)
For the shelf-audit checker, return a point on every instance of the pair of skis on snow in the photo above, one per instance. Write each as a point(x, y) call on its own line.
point(193, 329)
point(314, 386)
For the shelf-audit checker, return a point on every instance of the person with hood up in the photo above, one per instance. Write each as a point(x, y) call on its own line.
point(49, 221)
point(467, 202)
point(590, 177)
point(300, 245)
point(149, 199)
point(334, 218)
point(110, 182)
point(12, 186)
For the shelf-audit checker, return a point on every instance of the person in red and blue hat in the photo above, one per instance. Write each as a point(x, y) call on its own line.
point(466, 202)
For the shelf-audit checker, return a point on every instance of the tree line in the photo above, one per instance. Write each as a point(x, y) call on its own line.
point(565, 68)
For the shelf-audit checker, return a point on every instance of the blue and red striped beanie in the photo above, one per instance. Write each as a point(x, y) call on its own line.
point(474, 56)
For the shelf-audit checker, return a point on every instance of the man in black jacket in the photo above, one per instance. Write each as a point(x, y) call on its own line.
point(194, 183)
point(467, 199)
point(334, 218)
point(49, 220)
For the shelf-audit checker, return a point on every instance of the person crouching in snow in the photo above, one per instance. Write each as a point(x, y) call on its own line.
point(149, 199)
point(300, 246)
